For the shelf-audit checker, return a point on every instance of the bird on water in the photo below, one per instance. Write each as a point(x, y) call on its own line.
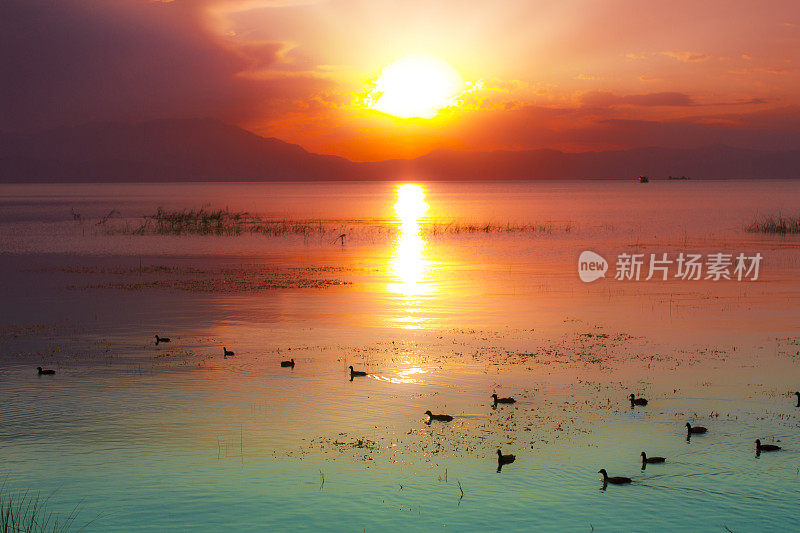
point(614, 480)
point(651, 460)
point(289, 363)
point(695, 430)
point(354, 373)
point(765, 447)
point(45, 372)
point(440, 418)
point(502, 400)
point(636, 401)
point(162, 339)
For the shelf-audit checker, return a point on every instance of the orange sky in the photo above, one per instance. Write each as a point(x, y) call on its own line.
point(573, 75)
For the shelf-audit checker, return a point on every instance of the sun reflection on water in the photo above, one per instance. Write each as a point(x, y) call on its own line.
point(408, 263)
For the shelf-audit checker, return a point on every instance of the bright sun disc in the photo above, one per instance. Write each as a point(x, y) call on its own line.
point(416, 86)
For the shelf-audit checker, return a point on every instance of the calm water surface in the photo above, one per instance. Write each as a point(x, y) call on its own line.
point(173, 436)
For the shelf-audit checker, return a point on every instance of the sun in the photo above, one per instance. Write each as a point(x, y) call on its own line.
point(416, 86)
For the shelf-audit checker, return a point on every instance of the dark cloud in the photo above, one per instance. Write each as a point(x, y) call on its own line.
point(583, 128)
point(607, 99)
point(70, 61)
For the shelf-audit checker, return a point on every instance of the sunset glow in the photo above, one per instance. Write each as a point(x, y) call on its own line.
point(408, 262)
point(416, 86)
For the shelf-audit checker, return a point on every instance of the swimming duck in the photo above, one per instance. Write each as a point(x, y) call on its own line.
point(47, 372)
point(503, 400)
point(227, 353)
point(651, 460)
point(637, 401)
point(766, 447)
point(290, 363)
point(441, 418)
point(505, 459)
point(616, 480)
point(162, 339)
point(356, 372)
point(695, 430)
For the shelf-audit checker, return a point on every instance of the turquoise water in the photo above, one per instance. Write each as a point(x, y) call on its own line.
point(174, 437)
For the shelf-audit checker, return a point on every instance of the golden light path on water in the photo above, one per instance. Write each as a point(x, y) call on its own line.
point(409, 265)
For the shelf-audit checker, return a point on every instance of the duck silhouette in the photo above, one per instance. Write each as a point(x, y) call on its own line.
point(227, 353)
point(636, 401)
point(651, 460)
point(503, 460)
point(162, 339)
point(289, 363)
point(694, 430)
point(765, 447)
point(440, 418)
point(356, 373)
point(45, 372)
point(502, 400)
point(614, 480)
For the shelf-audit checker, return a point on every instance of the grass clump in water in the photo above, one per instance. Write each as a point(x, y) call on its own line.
point(26, 513)
point(776, 224)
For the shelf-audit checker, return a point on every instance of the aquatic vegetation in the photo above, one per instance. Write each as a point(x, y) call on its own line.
point(777, 224)
point(223, 222)
point(27, 513)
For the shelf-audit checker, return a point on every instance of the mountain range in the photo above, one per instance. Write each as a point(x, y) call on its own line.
point(210, 150)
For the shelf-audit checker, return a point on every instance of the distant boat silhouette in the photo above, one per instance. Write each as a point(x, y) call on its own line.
point(289, 363)
point(46, 372)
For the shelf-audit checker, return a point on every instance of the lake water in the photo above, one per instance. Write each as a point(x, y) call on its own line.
point(444, 293)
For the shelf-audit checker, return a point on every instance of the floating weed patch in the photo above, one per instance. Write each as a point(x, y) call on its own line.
point(223, 222)
point(775, 224)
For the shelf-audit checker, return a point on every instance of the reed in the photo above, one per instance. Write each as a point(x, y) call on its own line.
point(775, 224)
point(224, 222)
point(27, 513)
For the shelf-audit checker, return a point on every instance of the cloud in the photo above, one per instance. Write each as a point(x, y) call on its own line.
point(607, 99)
point(73, 61)
point(690, 57)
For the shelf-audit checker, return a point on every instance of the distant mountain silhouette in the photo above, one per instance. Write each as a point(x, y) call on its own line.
point(161, 150)
point(207, 149)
